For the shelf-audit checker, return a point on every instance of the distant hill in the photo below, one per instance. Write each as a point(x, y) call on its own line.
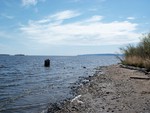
point(19, 55)
point(4, 55)
point(108, 54)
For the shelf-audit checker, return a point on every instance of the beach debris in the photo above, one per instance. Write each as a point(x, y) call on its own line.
point(47, 63)
point(142, 78)
point(76, 100)
point(145, 92)
point(144, 70)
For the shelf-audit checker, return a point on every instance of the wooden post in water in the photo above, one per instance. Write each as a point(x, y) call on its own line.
point(47, 63)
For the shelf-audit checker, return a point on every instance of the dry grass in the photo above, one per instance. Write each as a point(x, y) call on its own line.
point(146, 64)
point(133, 60)
point(137, 61)
point(139, 55)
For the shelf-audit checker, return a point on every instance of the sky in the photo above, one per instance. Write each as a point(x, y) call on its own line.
point(71, 27)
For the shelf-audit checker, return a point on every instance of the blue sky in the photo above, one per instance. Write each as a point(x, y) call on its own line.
point(71, 27)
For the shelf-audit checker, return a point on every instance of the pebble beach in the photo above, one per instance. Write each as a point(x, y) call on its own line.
point(110, 89)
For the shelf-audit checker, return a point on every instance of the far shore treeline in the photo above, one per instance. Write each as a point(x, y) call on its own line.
point(138, 55)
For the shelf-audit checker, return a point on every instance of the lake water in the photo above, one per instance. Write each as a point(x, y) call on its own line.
point(26, 86)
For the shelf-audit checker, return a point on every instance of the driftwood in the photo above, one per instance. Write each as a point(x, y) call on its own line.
point(76, 99)
point(142, 78)
point(144, 70)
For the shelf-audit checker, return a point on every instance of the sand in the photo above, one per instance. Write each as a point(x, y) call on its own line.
point(110, 90)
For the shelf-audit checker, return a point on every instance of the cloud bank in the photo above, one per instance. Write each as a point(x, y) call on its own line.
point(62, 29)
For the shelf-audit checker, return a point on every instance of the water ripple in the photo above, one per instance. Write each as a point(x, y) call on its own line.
point(26, 83)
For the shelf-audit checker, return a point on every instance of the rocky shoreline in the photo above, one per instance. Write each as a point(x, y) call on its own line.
point(111, 89)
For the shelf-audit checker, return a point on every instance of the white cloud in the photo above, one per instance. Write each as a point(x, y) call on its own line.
point(95, 18)
point(130, 18)
point(57, 18)
point(7, 16)
point(31, 2)
point(91, 31)
point(65, 15)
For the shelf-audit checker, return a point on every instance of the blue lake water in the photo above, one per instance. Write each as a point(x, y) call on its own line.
point(26, 86)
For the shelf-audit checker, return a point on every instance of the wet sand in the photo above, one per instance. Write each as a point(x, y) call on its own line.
point(111, 89)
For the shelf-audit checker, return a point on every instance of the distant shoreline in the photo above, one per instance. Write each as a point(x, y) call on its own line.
point(4, 55)
point(19, 55)
point(12, 55)
point(107, 54)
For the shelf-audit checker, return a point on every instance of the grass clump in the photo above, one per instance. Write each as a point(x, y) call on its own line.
point(139, 55)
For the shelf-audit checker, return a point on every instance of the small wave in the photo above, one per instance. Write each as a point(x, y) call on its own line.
point(2, 66)
point(26, 78)
point(17, 108)
point(9, 100)
point(8, 85)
